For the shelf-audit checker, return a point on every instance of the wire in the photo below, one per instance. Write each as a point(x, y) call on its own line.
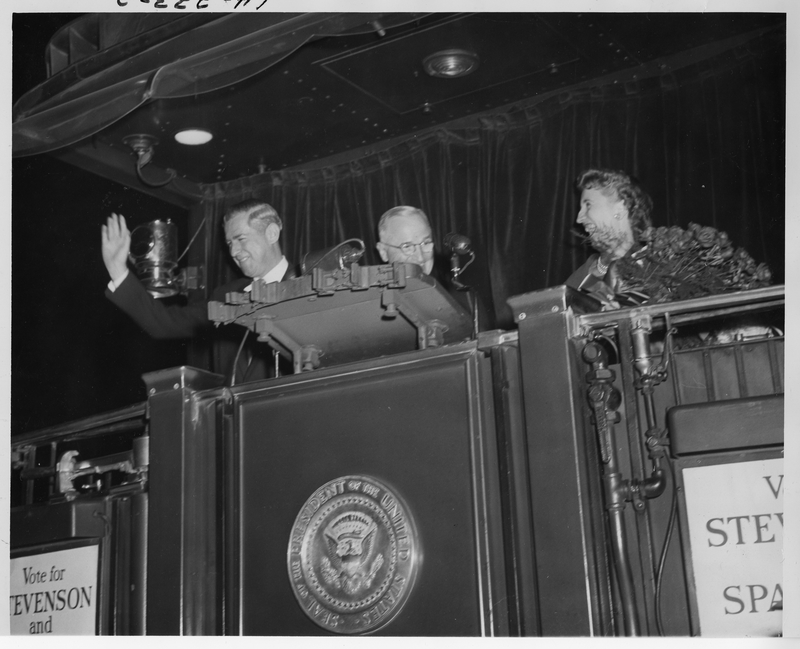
point(140, 164)
point(596, 335)
point(189, 245)
point(667, 352)
point(236, 360)
point(667, 538)
point(471, 259)
point(255, 308)
point(333, 250)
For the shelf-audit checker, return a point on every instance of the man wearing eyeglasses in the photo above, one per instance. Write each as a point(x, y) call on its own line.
point(405, 236)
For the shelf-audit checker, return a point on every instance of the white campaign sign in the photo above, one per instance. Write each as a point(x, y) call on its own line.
point(735, 514)
point(55, 593)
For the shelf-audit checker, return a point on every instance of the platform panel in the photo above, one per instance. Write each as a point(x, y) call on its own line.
point(413, 427)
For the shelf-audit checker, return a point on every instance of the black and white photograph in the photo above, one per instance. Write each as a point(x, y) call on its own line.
point(452, 320)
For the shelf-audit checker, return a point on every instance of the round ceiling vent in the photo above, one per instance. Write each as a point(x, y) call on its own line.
point(449, 64)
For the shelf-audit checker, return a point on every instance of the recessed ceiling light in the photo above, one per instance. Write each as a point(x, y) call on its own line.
point(193, 136)
point(449, 64)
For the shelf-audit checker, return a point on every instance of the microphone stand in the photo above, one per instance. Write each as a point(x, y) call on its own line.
point(455, 271)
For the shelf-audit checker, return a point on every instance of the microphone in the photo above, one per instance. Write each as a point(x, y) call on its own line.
point(458, 244)
point(334, 258)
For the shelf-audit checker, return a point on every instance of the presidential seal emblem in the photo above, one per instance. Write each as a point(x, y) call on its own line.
point(353, 555)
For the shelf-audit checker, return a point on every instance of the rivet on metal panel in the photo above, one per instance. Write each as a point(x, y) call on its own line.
point(152, 391)
point(522, 316)
point(176, 386)
point(554, 309)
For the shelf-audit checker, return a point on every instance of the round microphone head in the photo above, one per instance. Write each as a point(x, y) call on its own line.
point(457, 243)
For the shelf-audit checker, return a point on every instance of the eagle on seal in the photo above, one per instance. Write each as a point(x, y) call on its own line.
point(350, 543)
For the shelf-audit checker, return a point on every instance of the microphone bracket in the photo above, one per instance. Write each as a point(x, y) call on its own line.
point(458, 245)
point(456, 269)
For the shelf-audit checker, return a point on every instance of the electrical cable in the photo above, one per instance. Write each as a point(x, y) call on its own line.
point(333, 250)
point(244, 314)
point(236, 360)
point(139, 164)
point(667, 538)
point(465, 266)
point(608, 339)
point(189, 245)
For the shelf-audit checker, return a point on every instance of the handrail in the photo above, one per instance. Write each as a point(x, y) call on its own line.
point(763, 297)
point(117, 421)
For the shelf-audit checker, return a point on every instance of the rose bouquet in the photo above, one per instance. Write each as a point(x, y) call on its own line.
point(677, 264)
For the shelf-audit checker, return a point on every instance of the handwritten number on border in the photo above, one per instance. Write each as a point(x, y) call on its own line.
point(181, 4)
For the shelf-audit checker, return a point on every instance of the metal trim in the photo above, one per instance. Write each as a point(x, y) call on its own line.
point(109, 423)
point(704, 306)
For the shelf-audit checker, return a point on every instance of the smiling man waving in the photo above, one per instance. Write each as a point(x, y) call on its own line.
point(252, 233)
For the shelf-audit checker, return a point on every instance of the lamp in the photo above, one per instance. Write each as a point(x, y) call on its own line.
point(154, 255)
point(193, 136)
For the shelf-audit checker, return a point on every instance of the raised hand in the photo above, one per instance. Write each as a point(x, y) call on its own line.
point(116, 243)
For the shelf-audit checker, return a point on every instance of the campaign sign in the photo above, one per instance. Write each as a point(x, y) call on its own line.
point(735, 516)
point(55, 593)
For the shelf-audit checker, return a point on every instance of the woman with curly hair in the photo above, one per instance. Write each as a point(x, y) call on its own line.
point(636, 263)
point(614, 211)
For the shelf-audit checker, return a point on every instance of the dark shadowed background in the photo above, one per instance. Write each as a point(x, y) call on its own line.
point(73, 353)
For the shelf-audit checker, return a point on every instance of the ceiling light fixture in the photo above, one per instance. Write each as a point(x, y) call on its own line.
point(450, 64)
point(193, 136)
point(143, 145)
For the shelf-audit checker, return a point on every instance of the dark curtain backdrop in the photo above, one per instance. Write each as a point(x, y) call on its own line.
point(706, 141)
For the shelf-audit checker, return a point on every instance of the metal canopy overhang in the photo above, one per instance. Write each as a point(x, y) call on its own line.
point(203, 59)
point(206, 57)
point(226, 66)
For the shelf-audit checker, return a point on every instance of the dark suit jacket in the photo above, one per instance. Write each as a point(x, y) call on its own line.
point(173, 321)
point(602, 289)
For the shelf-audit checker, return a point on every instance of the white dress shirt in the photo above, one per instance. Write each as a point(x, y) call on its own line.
point(275, 275)
point(113, 286)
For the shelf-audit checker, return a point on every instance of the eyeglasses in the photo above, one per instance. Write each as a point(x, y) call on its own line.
point(409, 248)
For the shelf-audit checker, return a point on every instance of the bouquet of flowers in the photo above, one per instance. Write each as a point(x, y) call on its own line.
point(677, 264)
